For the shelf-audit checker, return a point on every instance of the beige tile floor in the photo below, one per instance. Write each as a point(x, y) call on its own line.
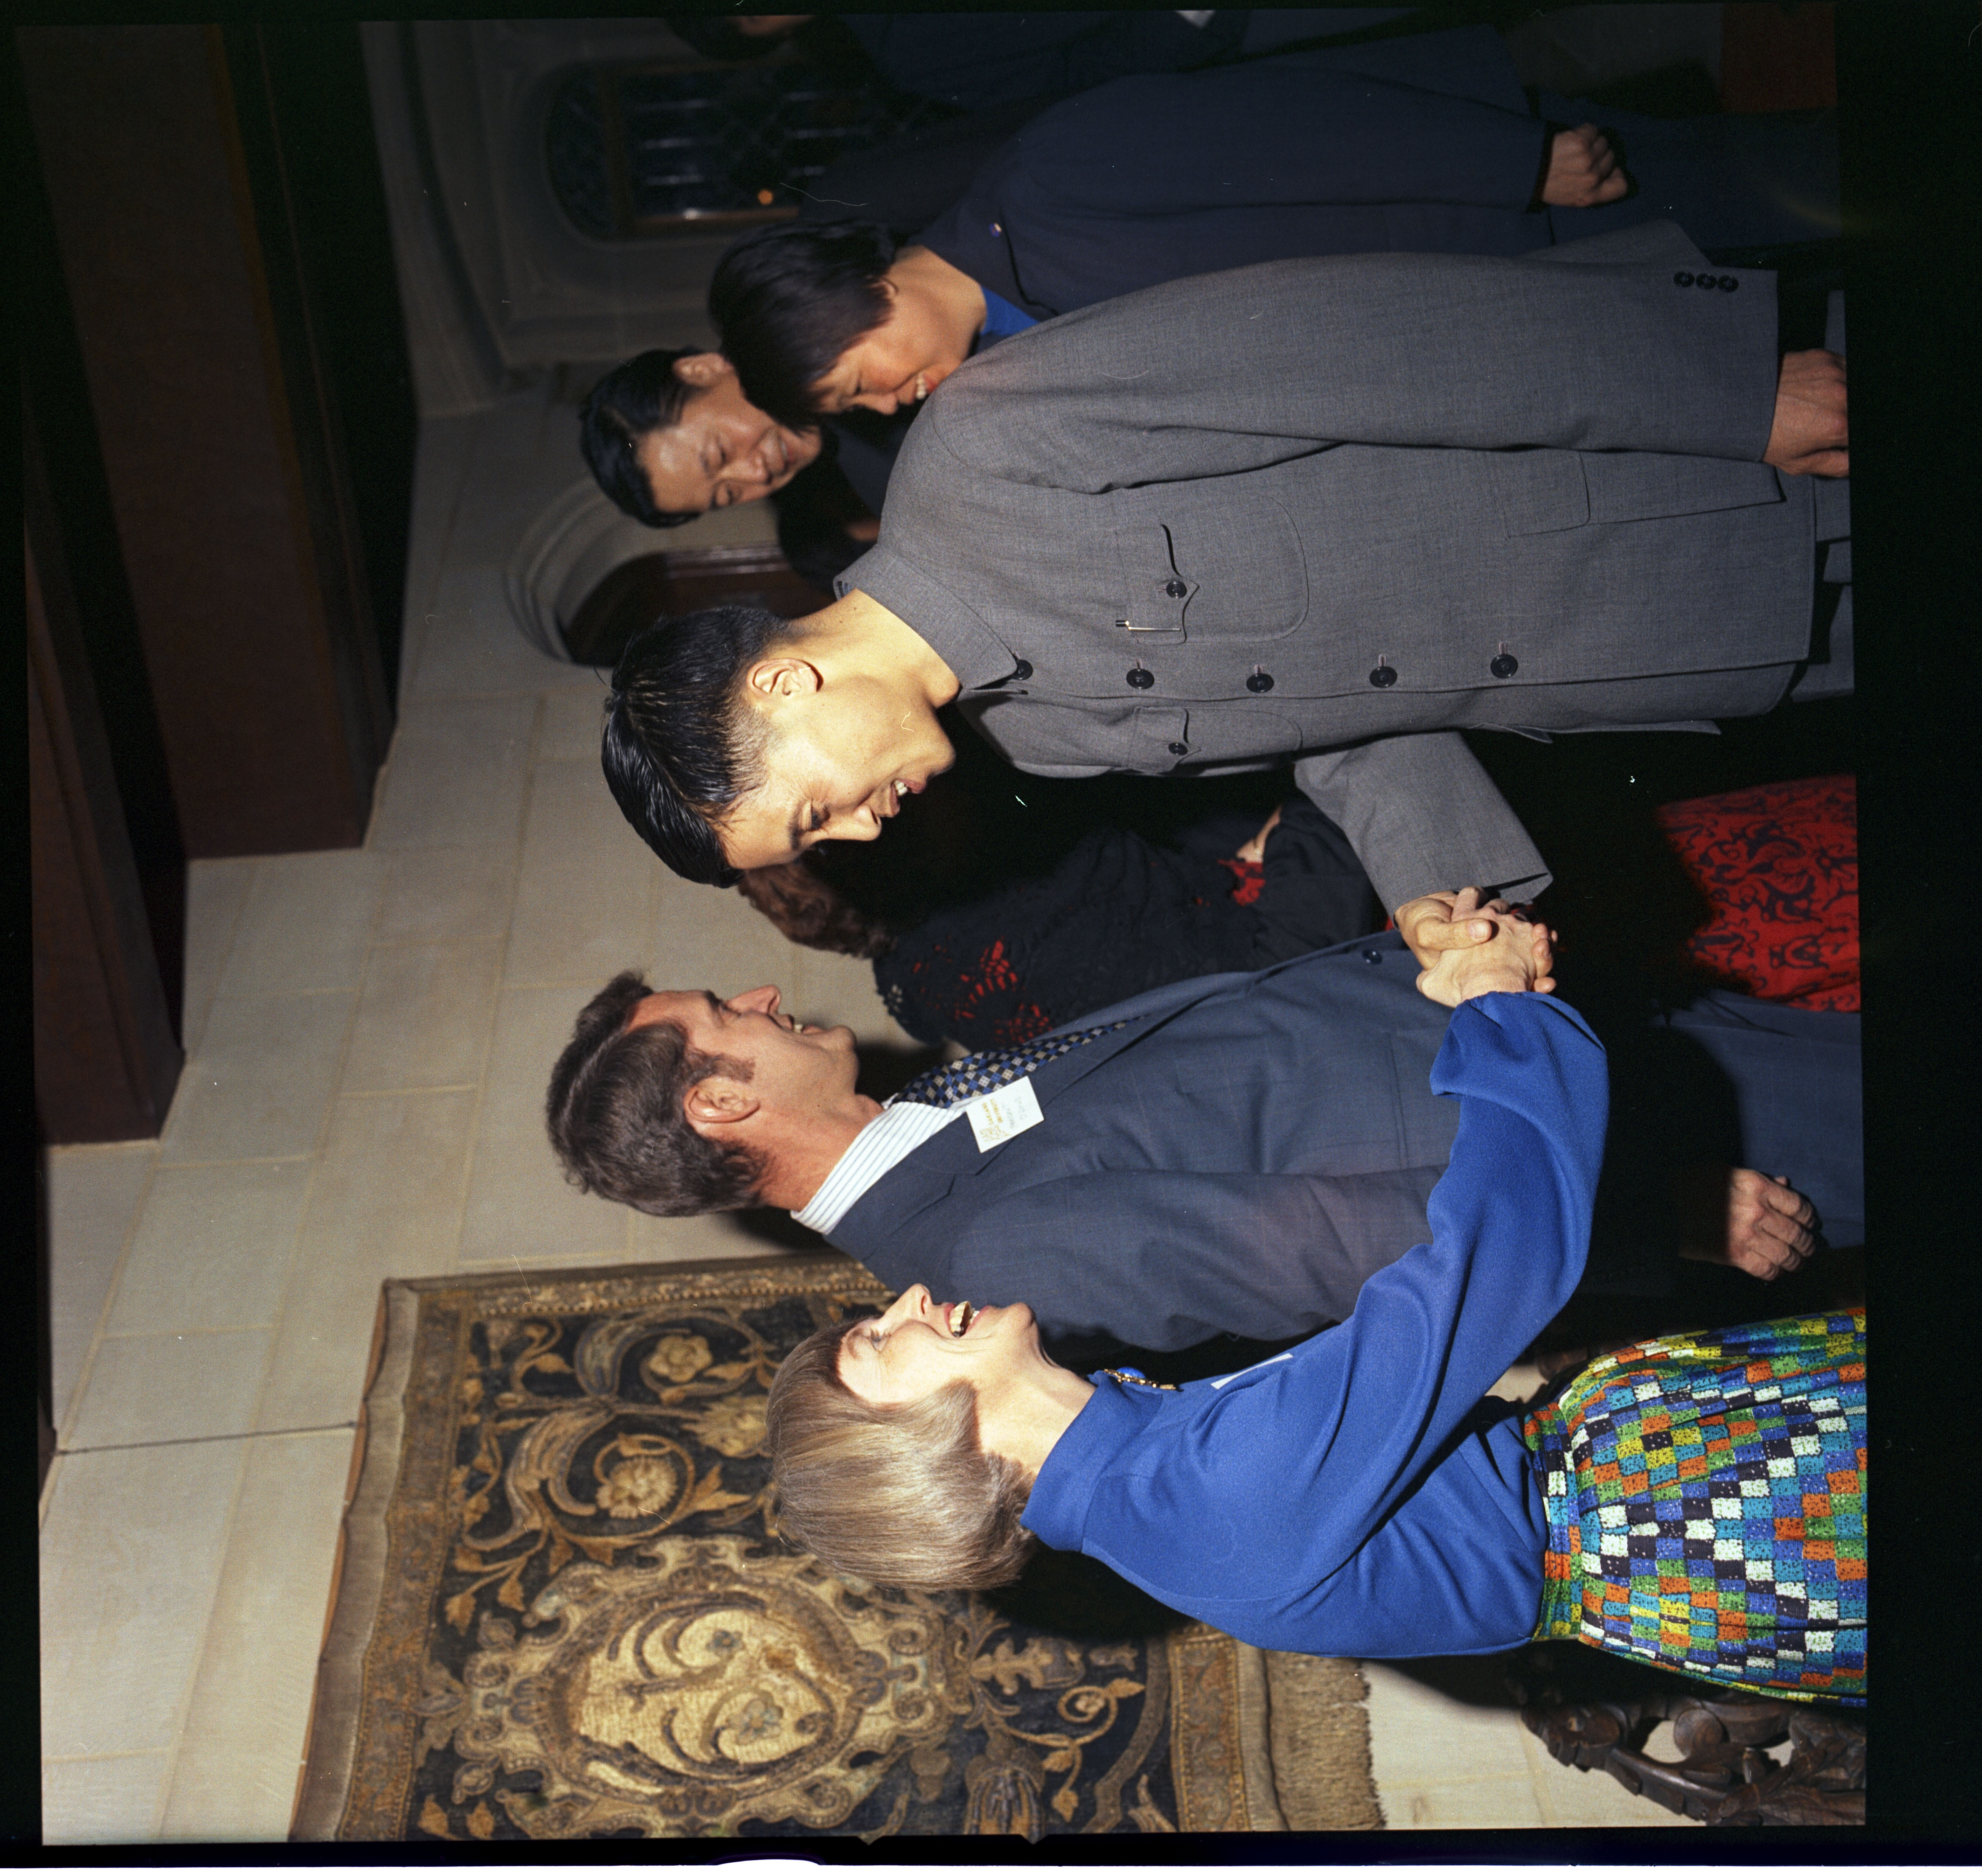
point(368, 1034)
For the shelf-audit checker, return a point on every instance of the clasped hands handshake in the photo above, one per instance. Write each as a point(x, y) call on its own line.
point(1470, 944)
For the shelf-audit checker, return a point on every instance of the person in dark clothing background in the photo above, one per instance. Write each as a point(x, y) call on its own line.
point(1425, 143)
point(1010, 904)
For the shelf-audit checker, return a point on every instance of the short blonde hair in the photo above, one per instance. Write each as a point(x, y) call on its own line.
point(899, 1494)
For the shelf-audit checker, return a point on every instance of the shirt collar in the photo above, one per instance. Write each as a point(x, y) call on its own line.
point(1001, 319)
point(874, 1151)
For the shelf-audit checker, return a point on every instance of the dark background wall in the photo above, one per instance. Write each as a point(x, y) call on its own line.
point(221, 418)
point(315, 167)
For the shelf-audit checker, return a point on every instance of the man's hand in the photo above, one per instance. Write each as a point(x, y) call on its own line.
point(1583, 171)
point(1735, 1215)
point(1428, 926)
point(1516, 956)
point(1436, 923)
point(1809, 433)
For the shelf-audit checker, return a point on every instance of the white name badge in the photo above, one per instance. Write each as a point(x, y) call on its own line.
point(996, 1117)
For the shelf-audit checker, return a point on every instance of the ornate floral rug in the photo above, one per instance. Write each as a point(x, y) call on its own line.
point(562, 1611)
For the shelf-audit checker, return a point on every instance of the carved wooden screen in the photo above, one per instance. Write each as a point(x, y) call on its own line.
point(639, 150)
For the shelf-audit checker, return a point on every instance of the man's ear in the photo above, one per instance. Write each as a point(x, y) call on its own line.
point(773, 679)
point(700, 369)
point(719, 1102)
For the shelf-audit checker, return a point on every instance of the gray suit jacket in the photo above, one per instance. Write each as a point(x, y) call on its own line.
point(1249, 1147)
point(1328, 511)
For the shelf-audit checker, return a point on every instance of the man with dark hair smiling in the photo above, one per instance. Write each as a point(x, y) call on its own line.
point(1323, 511)
point(1424, 145)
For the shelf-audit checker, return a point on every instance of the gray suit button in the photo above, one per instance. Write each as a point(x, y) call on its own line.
point(1682, 278)
point(1260, 682)
point(1373, 957)
point(1022, 670)
point(1176, 589)
point(1728, 284)
point(1179, 749)
point(1505, 666)
point(1140, 680)
point(1382, 677)
point(1705, 283)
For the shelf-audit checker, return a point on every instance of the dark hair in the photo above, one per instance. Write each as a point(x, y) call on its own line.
point(681, 744)
point(615, 1117)
point(789, 300)
point(631, 401)
point(899, 1494)
point(809, 909)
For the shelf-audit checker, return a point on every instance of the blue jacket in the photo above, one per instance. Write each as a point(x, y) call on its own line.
point(1352, 1497)
point(1152, 178)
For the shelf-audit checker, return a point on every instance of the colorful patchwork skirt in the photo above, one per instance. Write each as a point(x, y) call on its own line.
point(1706, 1501)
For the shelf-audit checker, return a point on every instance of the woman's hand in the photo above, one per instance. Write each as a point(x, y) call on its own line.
point(1254, 851)
point(1517, 957)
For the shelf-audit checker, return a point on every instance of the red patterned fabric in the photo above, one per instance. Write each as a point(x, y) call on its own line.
point(1250, 880)
point(1779, 866)
point(995, 972)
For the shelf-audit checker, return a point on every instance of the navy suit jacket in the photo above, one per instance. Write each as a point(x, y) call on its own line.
point(1249, 1147)
point(1422, 145)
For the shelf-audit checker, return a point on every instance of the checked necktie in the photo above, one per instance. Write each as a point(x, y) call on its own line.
point(992, 1068)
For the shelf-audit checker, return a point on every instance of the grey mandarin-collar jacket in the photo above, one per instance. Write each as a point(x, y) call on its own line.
point(1329, 511)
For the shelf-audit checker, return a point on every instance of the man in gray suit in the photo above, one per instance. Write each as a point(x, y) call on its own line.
point(1326, 512)
point(1233, 1154)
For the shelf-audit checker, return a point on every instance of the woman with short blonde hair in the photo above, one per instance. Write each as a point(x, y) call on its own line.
point(899, 1494)
point(1696, 1502)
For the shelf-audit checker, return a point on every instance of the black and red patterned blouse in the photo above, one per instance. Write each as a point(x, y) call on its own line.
point(1777, 866)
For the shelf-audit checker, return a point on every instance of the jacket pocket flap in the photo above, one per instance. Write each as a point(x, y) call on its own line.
point(1540, 491)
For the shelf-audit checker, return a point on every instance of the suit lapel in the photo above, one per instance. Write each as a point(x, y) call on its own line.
point(926, 1178)
point(895, 1200)
point(955, 1149)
